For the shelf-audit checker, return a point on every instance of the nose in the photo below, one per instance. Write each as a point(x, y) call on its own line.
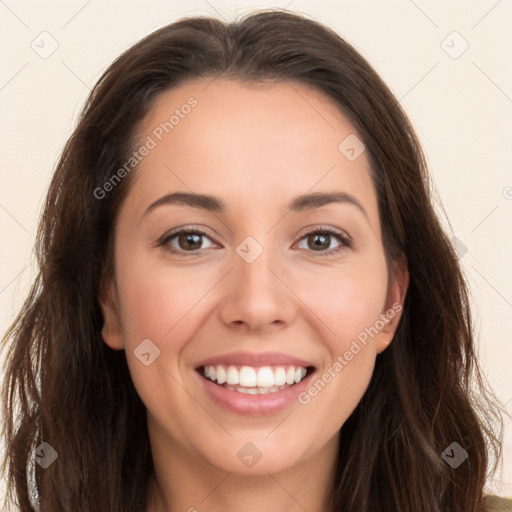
point(257, 297)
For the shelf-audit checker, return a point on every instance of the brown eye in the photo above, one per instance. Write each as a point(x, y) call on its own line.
point(320, 241)
point(190, 240)
point(186, 241)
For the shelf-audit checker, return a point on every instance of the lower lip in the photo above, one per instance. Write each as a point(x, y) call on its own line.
point(254, 405)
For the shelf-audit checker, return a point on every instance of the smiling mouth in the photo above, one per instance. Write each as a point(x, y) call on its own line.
point(255, 380)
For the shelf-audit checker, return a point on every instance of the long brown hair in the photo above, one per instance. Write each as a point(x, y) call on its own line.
point(66, 387)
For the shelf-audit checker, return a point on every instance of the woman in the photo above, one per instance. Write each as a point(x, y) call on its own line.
point(245, 298)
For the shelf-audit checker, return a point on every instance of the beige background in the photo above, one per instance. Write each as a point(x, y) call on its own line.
point(460, 101)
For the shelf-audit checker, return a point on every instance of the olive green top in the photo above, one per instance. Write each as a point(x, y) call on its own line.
point(498, 504)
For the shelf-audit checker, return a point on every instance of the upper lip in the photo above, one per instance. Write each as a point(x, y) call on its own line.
point(255, 359)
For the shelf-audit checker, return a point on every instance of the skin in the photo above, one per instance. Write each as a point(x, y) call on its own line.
point(256, 147)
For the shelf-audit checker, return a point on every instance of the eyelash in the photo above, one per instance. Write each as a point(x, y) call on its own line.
point(345, 240)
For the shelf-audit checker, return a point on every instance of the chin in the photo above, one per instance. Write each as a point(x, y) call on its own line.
point(257, 456)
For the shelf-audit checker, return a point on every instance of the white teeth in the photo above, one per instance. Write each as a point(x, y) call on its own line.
point(221, 375)
point(251, 380)
point(300, 373)
point(247, 376)
point(232, 376)
point(265, 377)
point(256, 390)
point(279, 377)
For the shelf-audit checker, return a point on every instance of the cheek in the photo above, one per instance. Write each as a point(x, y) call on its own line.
point(347, 308)
point(347, 300)
point(160, 304)
point(158, 299)
point(349, 303)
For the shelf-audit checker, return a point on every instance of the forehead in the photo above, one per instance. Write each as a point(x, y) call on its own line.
point(274, 116)
point(249, 143)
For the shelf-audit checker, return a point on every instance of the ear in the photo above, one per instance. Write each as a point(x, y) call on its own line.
point(111, 332)
point(393, 308)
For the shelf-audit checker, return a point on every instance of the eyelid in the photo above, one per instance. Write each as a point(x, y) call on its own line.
point(344, 238)
point(321, 228)
point(165, 238)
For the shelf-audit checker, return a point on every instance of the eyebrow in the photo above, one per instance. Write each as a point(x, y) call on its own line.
point(216, 205)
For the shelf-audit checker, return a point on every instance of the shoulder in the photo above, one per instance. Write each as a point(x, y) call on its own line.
point(497, 504)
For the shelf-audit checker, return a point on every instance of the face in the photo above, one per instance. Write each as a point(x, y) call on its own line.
point(253, 315)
